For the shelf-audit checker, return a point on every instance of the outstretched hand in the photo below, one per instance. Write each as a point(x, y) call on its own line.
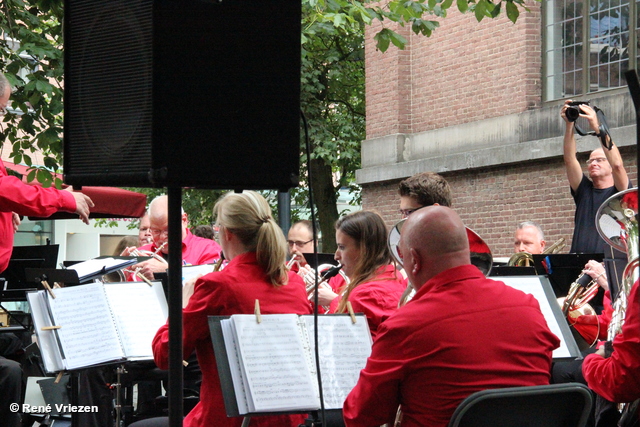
point(83, 204)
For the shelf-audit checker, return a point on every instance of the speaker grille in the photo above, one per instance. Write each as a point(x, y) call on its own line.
point(108, 93)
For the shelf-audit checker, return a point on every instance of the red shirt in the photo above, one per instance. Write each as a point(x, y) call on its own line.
point(28, 200)
point(460, 333)
point(195, 250)
point(230, 291)
point(617, 378)
point(378, 298)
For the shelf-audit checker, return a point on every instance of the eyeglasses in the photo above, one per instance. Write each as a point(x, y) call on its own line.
point(298, 243)
point(216, 232)
point(157, 232)
point(3, 111)
point(406, 212)
point(597, 160)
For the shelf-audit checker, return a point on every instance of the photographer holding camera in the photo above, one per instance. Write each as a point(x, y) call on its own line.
point(607, 176)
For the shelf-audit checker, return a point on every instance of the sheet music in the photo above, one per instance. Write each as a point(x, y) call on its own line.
point(95, 266)
point(343, 348)
point(234, 366)
point(88, 335)
point(532, 285)
point(273, 359)
point(47, 341)
point(139, 310)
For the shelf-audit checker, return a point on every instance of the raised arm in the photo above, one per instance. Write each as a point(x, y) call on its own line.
point(611, 152)
point(571, 163)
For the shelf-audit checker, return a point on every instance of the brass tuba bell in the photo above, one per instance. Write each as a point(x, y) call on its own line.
point(617, 224)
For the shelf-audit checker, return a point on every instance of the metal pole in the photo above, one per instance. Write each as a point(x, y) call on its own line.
point(175, 307)
point(284, 210)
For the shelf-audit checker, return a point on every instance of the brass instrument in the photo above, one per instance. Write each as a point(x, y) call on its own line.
point(580, 293)
point(525, 259)
point(617, 224)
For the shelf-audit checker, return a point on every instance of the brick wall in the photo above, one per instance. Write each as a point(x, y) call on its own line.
point(493, 201)
point(466, 71)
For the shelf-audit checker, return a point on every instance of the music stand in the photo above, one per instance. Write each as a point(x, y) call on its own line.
point(509, 270)
point(564, 269)
point(22, 257)
point(322, 259)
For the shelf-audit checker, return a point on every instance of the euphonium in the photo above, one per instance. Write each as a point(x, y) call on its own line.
point(617, 224)
point(525, 259)
point(580, 293)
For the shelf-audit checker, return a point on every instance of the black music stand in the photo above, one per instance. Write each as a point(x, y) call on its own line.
point(510, 270)
point(321, 259)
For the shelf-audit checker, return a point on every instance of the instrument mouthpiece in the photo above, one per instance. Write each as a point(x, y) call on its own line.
point(333, 271)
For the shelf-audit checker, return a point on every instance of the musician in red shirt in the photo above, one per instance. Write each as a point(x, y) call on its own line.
point(195, 250)
point(256, 249)
point(460, 333)
point(374, 286)
point(617, 378)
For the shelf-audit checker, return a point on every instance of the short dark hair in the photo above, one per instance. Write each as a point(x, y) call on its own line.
point(428, 188)
point(204, 231)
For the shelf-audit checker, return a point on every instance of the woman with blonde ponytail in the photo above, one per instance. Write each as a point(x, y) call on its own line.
point(374, 286)
point(256, 249)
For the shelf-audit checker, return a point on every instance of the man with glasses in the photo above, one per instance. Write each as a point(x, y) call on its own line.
point(423, 189)
point(300, 241)
point(195, 250)
point(607, 176)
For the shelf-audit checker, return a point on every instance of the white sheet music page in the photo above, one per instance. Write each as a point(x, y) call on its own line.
point(343, 348)
point(94, 266)
point(275, 363)
point(234, 366)
point(47, 340)
point(87, 332)
point(139, 310)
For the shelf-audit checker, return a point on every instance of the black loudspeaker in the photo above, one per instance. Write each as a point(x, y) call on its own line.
point(182, 93)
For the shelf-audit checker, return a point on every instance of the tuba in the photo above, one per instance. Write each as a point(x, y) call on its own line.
point(525, 259)
point(617, 224)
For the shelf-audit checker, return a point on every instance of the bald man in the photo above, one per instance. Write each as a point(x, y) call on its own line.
point(449, 341)
point(195, 250)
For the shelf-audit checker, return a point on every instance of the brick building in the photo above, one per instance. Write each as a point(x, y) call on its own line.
point(479, 103)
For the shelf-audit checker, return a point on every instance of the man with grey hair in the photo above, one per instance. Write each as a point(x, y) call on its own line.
point(529, 238)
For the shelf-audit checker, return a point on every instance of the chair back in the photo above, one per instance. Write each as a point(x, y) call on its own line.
point(556, 405)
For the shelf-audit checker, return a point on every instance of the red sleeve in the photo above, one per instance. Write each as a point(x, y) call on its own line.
point(194, 323)
point(33, 200)
point(617, 378)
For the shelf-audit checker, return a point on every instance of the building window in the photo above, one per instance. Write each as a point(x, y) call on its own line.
point(608, 29)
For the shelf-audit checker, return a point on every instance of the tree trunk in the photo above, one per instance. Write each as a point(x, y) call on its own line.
point(325, 197)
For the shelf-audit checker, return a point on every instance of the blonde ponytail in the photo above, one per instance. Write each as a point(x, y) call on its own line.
point(248, 216)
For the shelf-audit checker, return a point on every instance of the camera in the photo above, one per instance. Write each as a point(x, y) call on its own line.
point(573, 110)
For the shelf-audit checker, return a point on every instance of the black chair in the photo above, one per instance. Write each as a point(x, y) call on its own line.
point(556, 405)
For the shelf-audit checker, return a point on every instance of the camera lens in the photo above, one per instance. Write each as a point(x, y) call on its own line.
point(572, 113)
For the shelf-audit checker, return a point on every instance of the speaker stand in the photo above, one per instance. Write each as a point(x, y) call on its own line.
point(175, 307)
